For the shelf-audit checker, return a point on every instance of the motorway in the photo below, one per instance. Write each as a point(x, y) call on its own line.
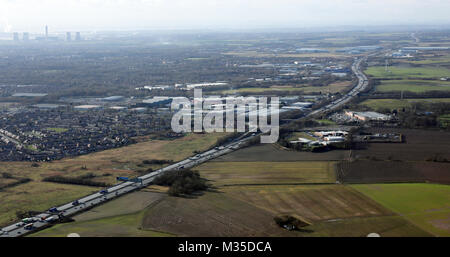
point(51, 216)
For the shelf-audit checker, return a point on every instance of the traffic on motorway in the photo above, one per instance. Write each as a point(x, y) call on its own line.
point(55, 214)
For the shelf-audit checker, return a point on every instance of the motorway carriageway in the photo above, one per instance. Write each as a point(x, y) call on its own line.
point(47, 218)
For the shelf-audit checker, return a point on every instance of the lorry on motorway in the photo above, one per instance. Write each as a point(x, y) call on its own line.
point(28, 220)
point(50, 219)
point(125, 179)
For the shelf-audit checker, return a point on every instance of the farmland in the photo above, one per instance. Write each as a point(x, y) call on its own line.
point(412, 161)
point(331, 88)
point(117, 226)
point(393, 104)
point(111, 219)
point(419, 146)
point(445, 120)
point(312, 202)
point(273, 152)
point(416, 86)
point(100, 167)
point(407, 72)
point(235, 173)
point(425, 205)
point(195, 217)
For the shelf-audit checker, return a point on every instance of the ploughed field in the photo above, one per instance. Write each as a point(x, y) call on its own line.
point(252, 186)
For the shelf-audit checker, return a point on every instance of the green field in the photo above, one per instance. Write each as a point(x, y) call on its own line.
point(326, 122)
point(416, 86)
point(122, 225)
point(37, 196)
point(296, 135)
point(392, 104)
point(331, 88)
point(439, 60)
point(385, 226)
point(425, 205)
point(444, 120)
point(232, 173)
point(105, 165)
point(407, 72)
point(57, 130)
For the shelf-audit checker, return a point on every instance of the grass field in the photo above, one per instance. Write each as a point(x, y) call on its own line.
point(124, 161)
point(407, 72)
point(392, 104)
point(332, 88)
point(444, 120)
point(385, 226)
point(432, 60)
point(296, 135)
point(117, 226)
point(37, 196)
point(254, 54)
point(425, 205)
point(120, 217)
point(235, 173)
point(134, 202)
point(326, 122)
point(57, 130)
point(417, 86)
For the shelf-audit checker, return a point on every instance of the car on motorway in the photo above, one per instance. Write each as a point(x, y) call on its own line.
point(104, 191)
point(75, 203)
point(53, 210)
point(2, 232)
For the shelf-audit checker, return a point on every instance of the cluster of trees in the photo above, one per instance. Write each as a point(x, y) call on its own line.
point(225, 139)
point(437, 158)
point(75, 181)
point(18, 181)
point(159, 162)
point(182, 182)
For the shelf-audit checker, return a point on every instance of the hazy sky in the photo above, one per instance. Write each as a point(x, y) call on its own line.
point(32, 15)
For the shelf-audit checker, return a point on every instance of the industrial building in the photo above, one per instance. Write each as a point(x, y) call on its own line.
point(115, 98)
point(87, 107)
point(311, 50)
point(425, 48)
point(303, 104)
point(367, 116)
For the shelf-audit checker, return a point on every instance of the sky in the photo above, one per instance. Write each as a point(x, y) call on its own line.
point(90, 15)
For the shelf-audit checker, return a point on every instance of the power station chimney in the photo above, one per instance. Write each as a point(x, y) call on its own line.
point(46, 32)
